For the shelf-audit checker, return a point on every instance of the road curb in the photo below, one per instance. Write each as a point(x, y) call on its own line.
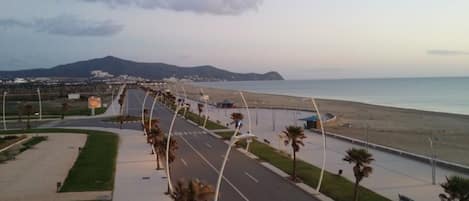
point(208, 131)
point(302, 186)
point(248, 154)
point(191, 122)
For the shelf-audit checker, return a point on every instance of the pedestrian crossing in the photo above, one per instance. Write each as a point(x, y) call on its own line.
point(190, 133)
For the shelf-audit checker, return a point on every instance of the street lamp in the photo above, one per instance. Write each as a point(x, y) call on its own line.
point(433, 161)
point(249, 118)
point(4, 120)
point(185, 99)
point(151, 111)
point(323, 145)
point(235, 138)
point(178, 107)
point(40, 104)
point(205, 98)
point(143, 110)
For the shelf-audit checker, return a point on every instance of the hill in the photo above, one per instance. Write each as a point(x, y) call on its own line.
point(155, 71)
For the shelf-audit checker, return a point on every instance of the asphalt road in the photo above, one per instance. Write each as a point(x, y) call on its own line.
point(200, 156)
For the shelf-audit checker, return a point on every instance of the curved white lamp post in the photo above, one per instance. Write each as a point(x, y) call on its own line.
point(168, 176)
point(323, 145)
point(205, 98)
point(143, 109)
point(40, 104)
point(433, 161)
point(249, 118)
point(235, 138)
point(151, 111)
point(185, 99)
point(4, 120)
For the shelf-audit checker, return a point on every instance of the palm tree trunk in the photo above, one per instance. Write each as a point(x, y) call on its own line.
point(158, 161)
point(355, 191)
point(294, 165)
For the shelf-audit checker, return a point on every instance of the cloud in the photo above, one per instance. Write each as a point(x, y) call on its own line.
point(217, 7)
point(67, 25)
point(447, 52)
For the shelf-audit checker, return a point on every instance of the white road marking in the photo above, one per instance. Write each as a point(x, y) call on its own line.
point(250, 176)
point(208, 145)
point(184, 162)
point(215, 169)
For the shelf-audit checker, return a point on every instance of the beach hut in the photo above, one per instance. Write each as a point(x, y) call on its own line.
point(225, 104)
point(311, 121)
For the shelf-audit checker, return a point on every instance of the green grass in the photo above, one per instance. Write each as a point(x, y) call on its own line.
point(95, 166)
point(225, 135)
point(336, 187)
point(200, 121)
point(33, 141)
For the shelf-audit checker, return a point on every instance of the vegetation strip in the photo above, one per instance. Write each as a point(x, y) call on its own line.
point(94, 168)
point(336, 187)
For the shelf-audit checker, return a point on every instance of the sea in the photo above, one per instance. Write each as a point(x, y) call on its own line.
point(449, 95)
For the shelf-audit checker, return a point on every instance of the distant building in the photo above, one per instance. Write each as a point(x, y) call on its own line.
point(101, 74)
point(73, 96)
point(19, 80)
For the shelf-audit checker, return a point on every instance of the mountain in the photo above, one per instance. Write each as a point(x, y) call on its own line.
point(155, 71)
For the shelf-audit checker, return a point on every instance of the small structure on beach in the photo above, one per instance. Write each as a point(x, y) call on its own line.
point(226, 104)
point(312, 122)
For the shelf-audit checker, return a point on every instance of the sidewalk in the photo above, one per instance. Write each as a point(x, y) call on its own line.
point(392, 174)
point(136, 174)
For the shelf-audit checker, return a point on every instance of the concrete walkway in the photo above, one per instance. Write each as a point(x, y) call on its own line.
point(34, 173)
point(136, 174)
point(392, 174)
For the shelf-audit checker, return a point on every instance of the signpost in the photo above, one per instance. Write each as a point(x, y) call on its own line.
point(93, 103)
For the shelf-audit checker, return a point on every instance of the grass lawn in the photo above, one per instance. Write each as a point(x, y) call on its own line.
point(225, 135)
point(8, 140)
point(200, 120)
point(336, 187)
point(95, 166)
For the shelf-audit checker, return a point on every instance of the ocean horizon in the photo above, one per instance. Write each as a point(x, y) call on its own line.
point(437, 94)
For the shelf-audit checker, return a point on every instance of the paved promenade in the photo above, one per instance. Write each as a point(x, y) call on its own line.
point(392, 174)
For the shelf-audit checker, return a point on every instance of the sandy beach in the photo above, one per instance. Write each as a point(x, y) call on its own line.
point(404, 129)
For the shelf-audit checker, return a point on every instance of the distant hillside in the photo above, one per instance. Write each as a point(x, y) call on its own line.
point(117, 66)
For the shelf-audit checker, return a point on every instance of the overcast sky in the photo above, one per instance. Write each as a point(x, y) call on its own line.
point(301, 39)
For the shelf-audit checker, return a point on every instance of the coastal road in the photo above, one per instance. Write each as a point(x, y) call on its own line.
point(200, 156)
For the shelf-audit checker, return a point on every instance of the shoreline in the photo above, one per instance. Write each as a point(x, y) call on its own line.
point(400, 128)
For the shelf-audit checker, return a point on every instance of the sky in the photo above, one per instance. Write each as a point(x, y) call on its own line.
point(301, 39)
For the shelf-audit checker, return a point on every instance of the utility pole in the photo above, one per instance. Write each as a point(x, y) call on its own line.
point(433, 157)
point(40, 104)
point(4, 120)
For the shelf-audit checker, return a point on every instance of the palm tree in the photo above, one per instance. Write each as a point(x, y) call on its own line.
point(361, 158)
point(172, 149)
point(194, 190)
point(157, 141)
point(456, 188)
point(64, 109)
point(237, 118)
point(28, 109)
point(200, 106)
point(294, 136)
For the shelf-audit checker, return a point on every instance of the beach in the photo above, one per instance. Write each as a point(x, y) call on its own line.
point(405, 129)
